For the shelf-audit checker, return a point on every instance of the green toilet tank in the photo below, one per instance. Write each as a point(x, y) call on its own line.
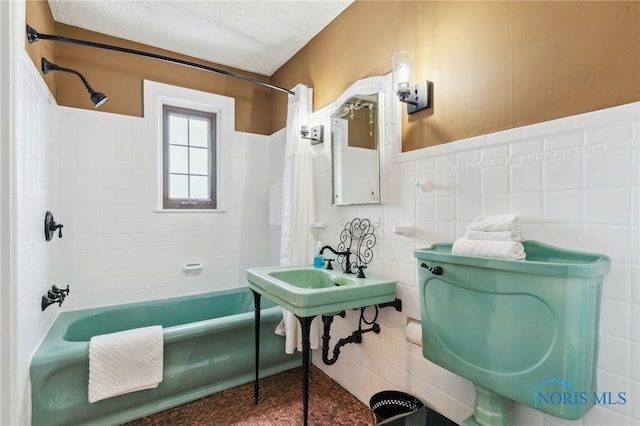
point(524, 329)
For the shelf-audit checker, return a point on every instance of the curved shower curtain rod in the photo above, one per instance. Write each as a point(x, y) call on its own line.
point(33, 36)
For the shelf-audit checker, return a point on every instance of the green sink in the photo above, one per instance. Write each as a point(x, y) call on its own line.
point(307, 291)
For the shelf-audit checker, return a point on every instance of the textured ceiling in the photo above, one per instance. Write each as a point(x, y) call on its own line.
point(256, 35)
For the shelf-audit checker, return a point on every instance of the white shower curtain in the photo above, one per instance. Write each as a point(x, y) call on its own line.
point(298, 208)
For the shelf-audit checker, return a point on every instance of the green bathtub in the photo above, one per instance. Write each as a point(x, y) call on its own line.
point(208, 347)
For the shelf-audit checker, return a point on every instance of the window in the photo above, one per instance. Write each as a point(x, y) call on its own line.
point(189, 141)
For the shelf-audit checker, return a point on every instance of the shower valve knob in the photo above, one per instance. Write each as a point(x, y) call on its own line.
point(50, 227)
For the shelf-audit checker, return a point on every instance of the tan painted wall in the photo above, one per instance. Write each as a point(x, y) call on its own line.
point(494, 65)
point(39, 17)
point(120, 75)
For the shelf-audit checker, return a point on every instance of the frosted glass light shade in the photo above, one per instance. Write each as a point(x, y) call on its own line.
point(402, 66)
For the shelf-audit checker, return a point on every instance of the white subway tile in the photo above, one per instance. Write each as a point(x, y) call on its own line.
point(564, 140)
point(468, 183)
point(607, 206)
point(407, 210)
point(635, 323)
point(494, 152)
point(564, 173)
point(614, 355)
point(445, 160)
point(445, 209)
point(608, 134)
point(425, 209)
point(617, 283)
point(635, 405)
point(561, 235)
point(635, 281)
point(616, 318)
point(527, 205)
point(605, 170)
point(526, 177)
point(495, 180)
point(495, 204)
point(468, 156)
point(445, 231)
point(468, 208)
point(635, 362)
point(563, 206)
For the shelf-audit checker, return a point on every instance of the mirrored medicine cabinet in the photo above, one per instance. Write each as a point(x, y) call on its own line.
point(356, 150)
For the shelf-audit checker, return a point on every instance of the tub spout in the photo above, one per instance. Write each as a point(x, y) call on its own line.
point(47, 301)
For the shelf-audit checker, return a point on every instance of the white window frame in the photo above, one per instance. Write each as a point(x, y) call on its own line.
point(156, 95)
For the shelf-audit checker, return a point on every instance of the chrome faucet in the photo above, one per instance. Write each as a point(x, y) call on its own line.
point(347, 266)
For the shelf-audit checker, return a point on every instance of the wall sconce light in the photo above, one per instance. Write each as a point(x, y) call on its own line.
point(416, 97)
point(315, 134)
point(97, 98)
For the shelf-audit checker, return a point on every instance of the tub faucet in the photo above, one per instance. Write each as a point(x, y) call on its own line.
point(47, 301)
point(55, 295)
point(346, 253)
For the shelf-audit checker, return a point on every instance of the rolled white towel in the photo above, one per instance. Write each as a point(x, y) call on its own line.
point(512, 235)
point(498, 249)
point(503, 222)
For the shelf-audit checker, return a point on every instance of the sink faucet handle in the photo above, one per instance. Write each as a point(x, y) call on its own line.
point(329, 265)
point(360, 272)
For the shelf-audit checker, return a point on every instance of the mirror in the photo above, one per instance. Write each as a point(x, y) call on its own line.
point(355, 151)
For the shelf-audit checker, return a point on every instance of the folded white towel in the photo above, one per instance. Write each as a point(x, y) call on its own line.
point(289, 327)
point(513, 235)
point(498, 249)
point(126, 361)
point(504, 222)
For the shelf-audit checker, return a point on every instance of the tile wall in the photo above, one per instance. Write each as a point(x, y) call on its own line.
point(36, 170)
point(117, 248)
point(574, 182)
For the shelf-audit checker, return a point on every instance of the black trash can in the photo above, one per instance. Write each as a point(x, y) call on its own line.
point(387, 405)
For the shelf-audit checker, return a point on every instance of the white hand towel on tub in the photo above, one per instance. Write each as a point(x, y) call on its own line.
point(501, 222)
point(126, 361)
point(499, 249)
